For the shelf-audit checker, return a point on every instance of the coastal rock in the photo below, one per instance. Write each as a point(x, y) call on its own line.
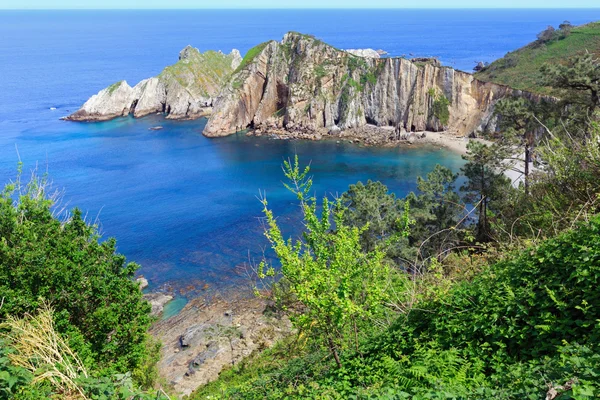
point(306, 88)
point(112, 102)
point(206, 337)
point(193, 335)
point(185, 90)
point(157, 301)
point(143, 282)
point(236, 59)
point(366, 53)
point(427, 60)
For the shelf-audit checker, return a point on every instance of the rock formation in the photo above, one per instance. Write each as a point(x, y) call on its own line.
point(305, 86)
point(185, 90)
point(367, 53)
point(302, 87)
point(205, 338)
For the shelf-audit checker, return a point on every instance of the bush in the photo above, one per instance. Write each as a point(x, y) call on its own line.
point(43, 259)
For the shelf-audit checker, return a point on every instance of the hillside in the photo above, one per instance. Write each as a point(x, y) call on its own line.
point(520, 69)
point(521, 327)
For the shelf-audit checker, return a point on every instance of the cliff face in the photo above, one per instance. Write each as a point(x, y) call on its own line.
point(304, 85)
point(185, 90)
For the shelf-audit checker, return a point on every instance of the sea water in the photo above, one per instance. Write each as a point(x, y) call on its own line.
point(183, 206)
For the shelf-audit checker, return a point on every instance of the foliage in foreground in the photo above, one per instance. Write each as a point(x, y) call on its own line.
point(511, 332)
point(36, 362)
point(98, 310)
point(332, 290)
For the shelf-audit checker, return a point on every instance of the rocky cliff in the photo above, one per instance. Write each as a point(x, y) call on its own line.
point(302, 85)
point(185, 90)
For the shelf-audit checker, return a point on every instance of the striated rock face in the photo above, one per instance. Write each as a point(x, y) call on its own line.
point(185, 90)
point(304, 85)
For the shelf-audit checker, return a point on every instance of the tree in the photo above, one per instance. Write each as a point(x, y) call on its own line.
point(486, 182)
point(547, 34)
point(580, 81)
point(378, 214)
point(519, 127)
point(43, 260)
point(437, 211)
point(565, 28)
point(570, 187)
point(338, 288)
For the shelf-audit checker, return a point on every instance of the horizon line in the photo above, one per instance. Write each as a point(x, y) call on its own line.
point(297, 8)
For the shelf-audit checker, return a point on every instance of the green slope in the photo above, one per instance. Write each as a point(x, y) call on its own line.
point(520, 69)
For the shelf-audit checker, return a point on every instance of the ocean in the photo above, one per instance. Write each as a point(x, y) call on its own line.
point(183, 206)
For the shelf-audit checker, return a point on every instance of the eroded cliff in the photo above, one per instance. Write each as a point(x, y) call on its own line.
point(302, 85)
point(185, 90)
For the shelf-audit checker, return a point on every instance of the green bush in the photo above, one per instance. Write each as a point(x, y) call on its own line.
point(98, 306)
point(510, 333)
point(441, 109)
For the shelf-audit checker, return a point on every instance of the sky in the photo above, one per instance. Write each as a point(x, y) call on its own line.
point(175, 4)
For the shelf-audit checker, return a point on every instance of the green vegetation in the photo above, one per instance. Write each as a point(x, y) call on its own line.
point(441, 108)
point(63, 287)
point(199, 71)
point(508, 333)
point(250, 56)
point(369, 77)
point(488, 292)
point(520, 69)
point(111, 89)
point(320, 71)
point(335, 290)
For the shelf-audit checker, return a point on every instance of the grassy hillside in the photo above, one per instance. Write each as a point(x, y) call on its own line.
point(521, 68)
point(201, 73)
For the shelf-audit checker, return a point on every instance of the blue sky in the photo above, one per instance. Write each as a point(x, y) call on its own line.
point(68, 4)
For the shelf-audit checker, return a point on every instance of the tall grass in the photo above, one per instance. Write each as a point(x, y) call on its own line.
point(42, 351)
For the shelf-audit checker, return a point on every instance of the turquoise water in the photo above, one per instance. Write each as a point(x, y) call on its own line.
point(183, 206)
point(173, 307)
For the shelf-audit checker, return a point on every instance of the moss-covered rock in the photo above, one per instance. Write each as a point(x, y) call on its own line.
point(184, 90)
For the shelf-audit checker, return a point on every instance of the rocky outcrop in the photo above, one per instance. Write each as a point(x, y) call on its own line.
point(367, 53)
point(207, 337)
point(304, 85)
point(185, 90)
point(157, 302)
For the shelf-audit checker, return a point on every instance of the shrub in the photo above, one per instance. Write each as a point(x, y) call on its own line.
point(43, 259)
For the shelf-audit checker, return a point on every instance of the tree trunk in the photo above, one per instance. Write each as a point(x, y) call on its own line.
point(527, 161)
point(333, 350)
point(595, 102)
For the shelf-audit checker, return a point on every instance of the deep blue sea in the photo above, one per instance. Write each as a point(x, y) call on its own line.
point(181, 205)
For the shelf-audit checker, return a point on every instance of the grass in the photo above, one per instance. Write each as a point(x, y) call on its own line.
point(520, 69)
point(42, 351)
point(111, 89)
point(200, 71)
point(251, 55)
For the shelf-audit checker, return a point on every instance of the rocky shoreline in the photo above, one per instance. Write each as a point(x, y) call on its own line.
point(375, 136)
point(208, 336)
point(185, 90)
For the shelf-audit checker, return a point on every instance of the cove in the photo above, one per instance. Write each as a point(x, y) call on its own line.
point(185, 207)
